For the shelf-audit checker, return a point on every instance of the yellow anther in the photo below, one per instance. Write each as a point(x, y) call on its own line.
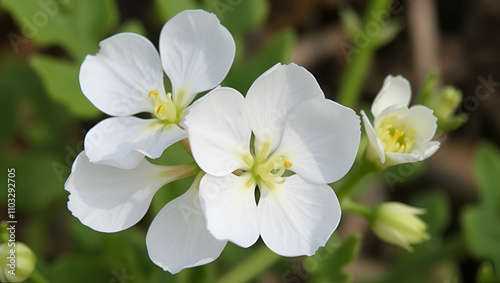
point(287, 164)
point(160, 108)
point(153, 92)
point(164, 108)
point(397, 135)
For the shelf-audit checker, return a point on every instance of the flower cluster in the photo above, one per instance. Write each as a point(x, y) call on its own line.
point(263, 162)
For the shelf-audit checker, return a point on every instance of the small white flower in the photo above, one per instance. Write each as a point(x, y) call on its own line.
point(296, 130)
point(111, 199)
point(125, 78)
point(397, 223)
point(399, 135)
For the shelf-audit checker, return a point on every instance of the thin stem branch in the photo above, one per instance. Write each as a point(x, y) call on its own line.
point(361, 58)
point(350, 206)
point(353, 178)
point(259, 261)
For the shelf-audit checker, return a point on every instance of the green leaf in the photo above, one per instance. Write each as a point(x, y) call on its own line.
point(328, 263)
point(437, 206)
point(429, 86)
point(168, 9)
point(60, 78)
point(388, 33)
point(82, 269)
point(36, 184)
point(16, 80)
point(134, 26)
point(487, 167)
point(75, 25)
point(239, 16)
point(350, 21)
point(243, 74)
point(482, 222)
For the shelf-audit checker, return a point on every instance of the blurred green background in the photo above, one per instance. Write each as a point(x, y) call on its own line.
point(45, 116)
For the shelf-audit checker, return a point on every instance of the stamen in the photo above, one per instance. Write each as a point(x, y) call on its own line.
point(271, 171)
point(153, 92)
point(160, 108)
point(164, 108)
point(397, 135)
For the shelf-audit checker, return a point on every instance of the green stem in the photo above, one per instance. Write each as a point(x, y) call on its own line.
point(350, 206)
point(353, 178)
point(259, 261)
point(36, 277)
point(357, 69)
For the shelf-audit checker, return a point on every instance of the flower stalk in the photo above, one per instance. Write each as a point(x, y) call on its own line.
point(358, 67)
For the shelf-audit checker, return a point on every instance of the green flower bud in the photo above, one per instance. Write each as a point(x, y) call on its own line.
point(444, 102)
point(397, 223)
point(17, 262)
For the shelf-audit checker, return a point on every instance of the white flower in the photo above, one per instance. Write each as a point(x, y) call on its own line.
point(125, 78)
point(297, 131)
point(111, 199)
point(397, 223)
point(399, 135)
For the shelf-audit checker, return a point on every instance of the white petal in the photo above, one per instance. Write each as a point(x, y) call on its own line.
point(118, 79)
point(432, 147)
point(230, 208)
point(124, 141)
point(219, 132)
point(425, 149)
point(423, 121)
point(110, 199)
point(178, 237)
point(196, 52)
point(401, 208)
point(395, 91)
point(397, 110)
point(394, 158)
point(374, 143)
point(274, 94)
point(321, 139)
point(298, 217)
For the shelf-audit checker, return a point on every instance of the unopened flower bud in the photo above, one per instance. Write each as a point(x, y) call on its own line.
point(17, 262)
point(397, 223)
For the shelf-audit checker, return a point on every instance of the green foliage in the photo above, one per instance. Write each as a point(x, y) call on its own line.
point(61, 81)
point(482, 221)
point(240, 16)
point(327, 265)
point(243, 73)
point(168, 9)
point(350, 21)
point(134, 26)
point(237, 16)
point(74, 25)
point(443, 101)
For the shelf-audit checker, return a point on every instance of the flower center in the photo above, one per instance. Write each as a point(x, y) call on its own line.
point(266, 169)
point(395, 137)
point(165, 109)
